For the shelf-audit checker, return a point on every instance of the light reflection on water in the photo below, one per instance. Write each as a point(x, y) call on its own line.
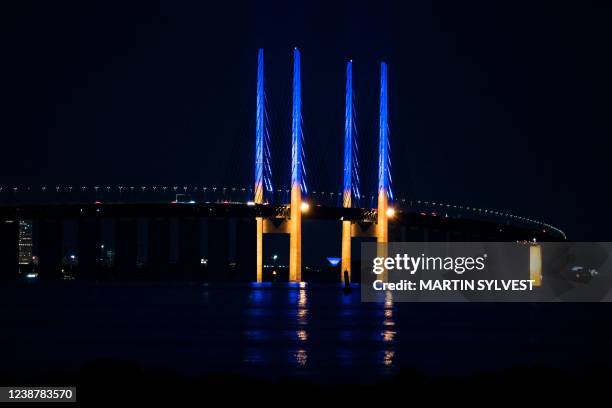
point(301, 357)
point(340, 337)
point(282, 330)
point(388, 334)
point(300, 305)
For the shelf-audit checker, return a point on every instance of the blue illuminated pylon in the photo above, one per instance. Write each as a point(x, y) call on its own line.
point(297, 149)
point(263, 170)
point(384, 156)
point(351, 165)
point(351, 173)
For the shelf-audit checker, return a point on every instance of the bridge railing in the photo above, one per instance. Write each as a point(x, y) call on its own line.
point(444, 209)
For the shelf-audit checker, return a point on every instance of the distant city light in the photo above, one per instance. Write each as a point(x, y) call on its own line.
point(304, 206)
point(390, 212)
point(250, 203)
point(32, 275)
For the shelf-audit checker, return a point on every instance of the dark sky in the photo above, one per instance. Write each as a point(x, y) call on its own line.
point(503, 105)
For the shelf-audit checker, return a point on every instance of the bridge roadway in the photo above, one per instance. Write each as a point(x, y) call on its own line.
point(470, 228)
point(175, 210)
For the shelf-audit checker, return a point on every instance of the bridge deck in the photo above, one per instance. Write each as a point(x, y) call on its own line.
point(418, 220)
point(176, 210)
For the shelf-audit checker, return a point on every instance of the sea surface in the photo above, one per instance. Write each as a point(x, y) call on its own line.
point(313, 331)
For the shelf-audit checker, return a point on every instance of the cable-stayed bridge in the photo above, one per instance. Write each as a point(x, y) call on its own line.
point(274, 209)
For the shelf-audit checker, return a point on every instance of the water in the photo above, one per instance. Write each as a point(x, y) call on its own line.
point(315, 332)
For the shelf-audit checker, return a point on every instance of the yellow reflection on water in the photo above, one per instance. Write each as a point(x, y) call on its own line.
point(388, 357)
point(302, 308)
point(303, 298)
point(302, 335)
point(302, 312)
point(388, 299)
point(388, 335)
point(301, 357)
point(388, 318)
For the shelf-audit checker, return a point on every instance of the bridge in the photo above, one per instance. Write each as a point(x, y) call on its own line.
point(274, 210)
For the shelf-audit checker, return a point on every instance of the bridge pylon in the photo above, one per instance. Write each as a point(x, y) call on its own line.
point(349, 170)
point(351, 186)
point(297, 167)
point(384, 176)
point(292, 225)
point(261, 154)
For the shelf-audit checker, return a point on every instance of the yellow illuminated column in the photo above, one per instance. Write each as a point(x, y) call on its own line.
point(295, 235)
point(382, 230)
point(259, 221)
point(346, 238)
point(382, 226)
point(346, 250)
point(535, 264)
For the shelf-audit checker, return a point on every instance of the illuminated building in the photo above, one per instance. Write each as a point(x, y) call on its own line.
point(25, 242)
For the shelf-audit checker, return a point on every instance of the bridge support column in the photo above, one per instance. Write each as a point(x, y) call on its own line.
point(259, 221)
point(295, 235)
point(535, 264)
point(346, 250)
point(382, 229)
point(382, 226)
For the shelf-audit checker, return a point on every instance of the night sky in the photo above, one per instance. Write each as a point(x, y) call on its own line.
point(503, 106)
